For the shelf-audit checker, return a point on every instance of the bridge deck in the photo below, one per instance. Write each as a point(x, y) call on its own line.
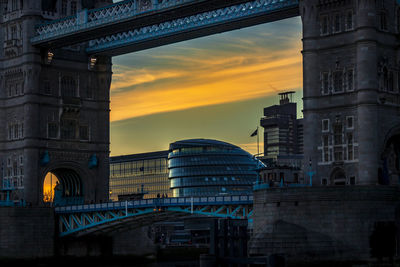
point(84, 219)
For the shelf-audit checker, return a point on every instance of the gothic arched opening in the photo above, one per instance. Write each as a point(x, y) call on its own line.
point(50, 181)
point(338, 177)
point(63, 187)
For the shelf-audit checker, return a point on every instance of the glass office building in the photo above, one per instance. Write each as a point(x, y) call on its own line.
point(139, 174)
point(203, 167)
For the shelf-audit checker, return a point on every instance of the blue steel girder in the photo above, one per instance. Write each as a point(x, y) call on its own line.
point(69, 224)
point(210, 22)
point(84, 219)
point(124, 27)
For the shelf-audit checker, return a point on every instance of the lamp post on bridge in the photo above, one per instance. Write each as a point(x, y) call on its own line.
point(310, 171)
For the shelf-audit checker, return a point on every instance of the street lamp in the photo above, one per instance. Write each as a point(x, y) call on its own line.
point(310, 171)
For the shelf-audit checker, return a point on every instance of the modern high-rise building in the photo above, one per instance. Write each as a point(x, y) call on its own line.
point(144, 175)
point(283, 132)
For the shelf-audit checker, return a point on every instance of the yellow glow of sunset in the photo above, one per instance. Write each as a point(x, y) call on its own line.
point(231, 84)
point(48, 187)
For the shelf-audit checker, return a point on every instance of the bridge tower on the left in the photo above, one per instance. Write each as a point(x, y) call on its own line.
point(54, 108)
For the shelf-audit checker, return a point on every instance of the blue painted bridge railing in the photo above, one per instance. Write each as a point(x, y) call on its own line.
point(88, 19)
point(84, 219)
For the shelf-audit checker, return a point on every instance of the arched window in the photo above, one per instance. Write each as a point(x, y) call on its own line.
point(68, 87)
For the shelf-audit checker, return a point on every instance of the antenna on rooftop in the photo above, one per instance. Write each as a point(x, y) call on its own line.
point(286, 97)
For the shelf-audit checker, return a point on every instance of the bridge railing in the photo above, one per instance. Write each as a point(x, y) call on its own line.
point(91, 18)
point(162, 202)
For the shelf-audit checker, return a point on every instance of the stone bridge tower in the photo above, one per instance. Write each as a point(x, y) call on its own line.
point(55, 105)
point(351, 137)
point(351, 91)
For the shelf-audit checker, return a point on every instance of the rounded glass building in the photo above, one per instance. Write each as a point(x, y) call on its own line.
point(203, 167)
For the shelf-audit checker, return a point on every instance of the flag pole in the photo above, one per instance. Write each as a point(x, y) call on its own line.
point(258, 149)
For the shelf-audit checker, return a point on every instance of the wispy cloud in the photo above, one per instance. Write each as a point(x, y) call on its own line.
point(220, 85)
point(124, 78)
point(228, 69)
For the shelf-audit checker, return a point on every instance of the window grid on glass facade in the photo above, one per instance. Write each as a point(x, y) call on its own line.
point(136, 175)
point(205, 174)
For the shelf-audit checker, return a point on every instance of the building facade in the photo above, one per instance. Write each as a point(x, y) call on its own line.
point(53, 106)
point(283, 132)
point(144, 175)
point(204, 167)
point(351, 98)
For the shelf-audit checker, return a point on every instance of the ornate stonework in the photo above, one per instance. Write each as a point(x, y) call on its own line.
point(54, 108)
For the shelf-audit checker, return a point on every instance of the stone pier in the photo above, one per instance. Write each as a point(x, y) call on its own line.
point(26, 232)
point(339, 223)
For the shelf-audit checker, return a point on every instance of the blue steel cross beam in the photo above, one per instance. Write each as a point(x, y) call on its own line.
point(106, 217)
point(127, 27)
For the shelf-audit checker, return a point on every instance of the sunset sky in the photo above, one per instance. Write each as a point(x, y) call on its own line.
point(212, 87)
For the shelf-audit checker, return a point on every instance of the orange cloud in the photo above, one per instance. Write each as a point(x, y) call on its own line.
point(237, 83)
point(252, 147)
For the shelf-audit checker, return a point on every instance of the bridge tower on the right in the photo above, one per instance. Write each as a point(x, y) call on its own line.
point(351, 91)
